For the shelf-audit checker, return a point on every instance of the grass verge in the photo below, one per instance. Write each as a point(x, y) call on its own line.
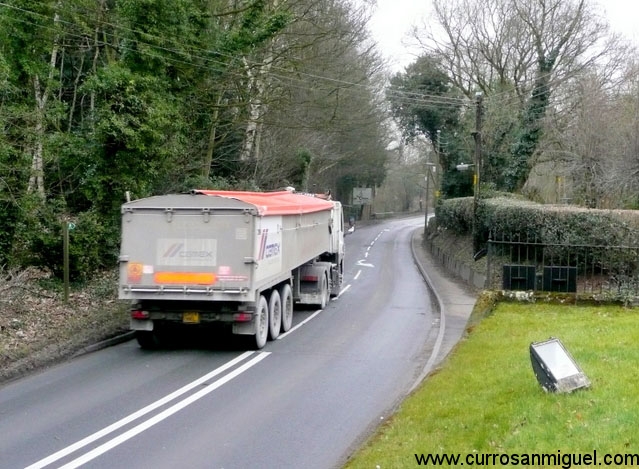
point(485, 398)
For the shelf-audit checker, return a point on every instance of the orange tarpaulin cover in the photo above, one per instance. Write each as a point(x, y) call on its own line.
point(275, 203)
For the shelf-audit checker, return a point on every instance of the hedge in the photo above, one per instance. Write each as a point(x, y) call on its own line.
point(515, 219)
point(567, 233)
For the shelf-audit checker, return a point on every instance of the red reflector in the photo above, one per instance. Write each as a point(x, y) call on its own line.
point(242, 317)
point(139, 314)
point(134, 272)
point(310, 278)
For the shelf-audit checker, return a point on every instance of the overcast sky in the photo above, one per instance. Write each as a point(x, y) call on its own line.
point(393, 19)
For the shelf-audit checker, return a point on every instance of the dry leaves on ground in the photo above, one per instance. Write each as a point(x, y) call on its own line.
point(37, 327)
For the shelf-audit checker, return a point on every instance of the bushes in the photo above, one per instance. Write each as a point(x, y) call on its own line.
point(38, 240)
point(32, 234)
point(455, 215)
point(559, 233)
point(516, 219)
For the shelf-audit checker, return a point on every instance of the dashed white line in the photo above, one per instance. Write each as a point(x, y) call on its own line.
point(357, 275)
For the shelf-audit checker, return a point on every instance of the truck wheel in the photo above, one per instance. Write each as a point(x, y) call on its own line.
point(274, 315)
point(324, 292)
point(148, 340)
point(261, 323)
point(286, 299)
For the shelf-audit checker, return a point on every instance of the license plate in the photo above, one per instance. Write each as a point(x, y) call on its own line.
point(191, 317)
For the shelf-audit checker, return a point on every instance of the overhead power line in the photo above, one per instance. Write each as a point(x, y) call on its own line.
point(206, 61)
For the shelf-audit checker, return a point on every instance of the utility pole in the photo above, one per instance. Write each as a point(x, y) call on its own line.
point(429, 167)
point(476, 179)
point(437, 177)
point(426, 208)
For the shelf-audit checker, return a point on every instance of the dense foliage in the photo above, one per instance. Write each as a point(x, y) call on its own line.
point(101, 98)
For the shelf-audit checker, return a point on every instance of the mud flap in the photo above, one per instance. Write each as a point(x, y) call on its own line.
point(244, 328)
point(141, 324)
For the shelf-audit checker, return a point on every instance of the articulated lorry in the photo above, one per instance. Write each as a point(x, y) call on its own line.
point(242, 259)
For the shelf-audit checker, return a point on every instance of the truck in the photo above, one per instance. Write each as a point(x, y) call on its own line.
point(238, 259)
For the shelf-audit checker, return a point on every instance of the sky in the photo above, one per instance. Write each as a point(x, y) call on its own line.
point(393, 19)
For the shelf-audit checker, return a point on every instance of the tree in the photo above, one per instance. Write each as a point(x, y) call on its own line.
point(151, 96)
point(320, 119)
point(526, 49)
point(592, 148)
point(424, 102)
point(622, 181)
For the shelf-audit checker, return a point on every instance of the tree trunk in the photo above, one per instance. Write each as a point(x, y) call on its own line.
point(256, 85)
point(254, 112)
point(75, 93)
point(208, 158)
point(36, 178)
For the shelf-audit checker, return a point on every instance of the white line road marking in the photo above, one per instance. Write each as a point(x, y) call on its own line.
point(281, 336)
point(364, 264)
point(343, 291)
point(118, 440)
point(136, 415)
point(357, 275)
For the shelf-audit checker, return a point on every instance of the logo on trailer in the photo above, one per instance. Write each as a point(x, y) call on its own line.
point(263, 243)
point(173, 250)
point(177, 250)
point(189, 252)
point(267, 250)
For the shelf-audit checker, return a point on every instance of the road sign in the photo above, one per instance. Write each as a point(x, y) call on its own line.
point(362, 195)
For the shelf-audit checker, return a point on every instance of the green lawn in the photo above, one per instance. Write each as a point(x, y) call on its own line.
point(485, 397)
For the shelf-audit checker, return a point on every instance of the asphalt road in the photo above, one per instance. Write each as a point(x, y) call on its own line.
point(306, 400)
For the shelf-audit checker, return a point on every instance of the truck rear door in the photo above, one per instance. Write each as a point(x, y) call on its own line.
point(185, 251)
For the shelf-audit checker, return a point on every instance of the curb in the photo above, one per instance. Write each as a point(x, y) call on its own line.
point(118, 339)
point(439, 306)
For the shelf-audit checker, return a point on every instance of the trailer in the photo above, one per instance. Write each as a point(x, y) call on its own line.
point(239, 259)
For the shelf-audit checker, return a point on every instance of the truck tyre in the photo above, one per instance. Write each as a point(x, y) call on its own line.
point(324, 292)
point(286, 299)
point(274, 315)
point(261, 323)
point(148, 340)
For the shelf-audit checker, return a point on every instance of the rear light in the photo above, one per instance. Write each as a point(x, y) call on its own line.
point(242, 316)
point(310, 278)
point(139, 314)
